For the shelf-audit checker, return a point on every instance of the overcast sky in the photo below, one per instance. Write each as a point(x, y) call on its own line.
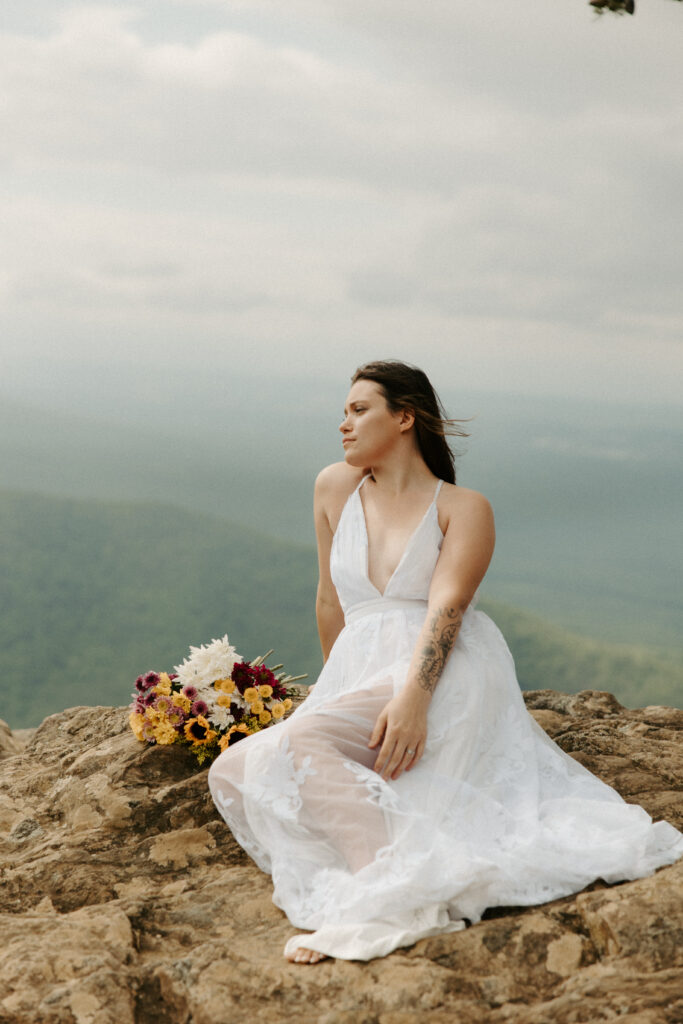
point(223, 188)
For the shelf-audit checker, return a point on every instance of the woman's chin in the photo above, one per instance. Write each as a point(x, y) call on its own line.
point(352, 460)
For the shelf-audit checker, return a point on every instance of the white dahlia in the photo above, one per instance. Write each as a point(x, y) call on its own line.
point(221, 718)
point(207, 663)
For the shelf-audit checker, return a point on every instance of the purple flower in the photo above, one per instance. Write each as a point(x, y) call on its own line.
point(149, 699)
point(177, 718)
point(139, 706)
point(140, 684)
point(150, 680)
point(190, 691)
point(200, 707)
point(163, 703)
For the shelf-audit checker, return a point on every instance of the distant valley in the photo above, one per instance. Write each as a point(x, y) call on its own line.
point(95, 592)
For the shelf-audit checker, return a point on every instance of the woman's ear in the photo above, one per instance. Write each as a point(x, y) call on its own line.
point(407, 419)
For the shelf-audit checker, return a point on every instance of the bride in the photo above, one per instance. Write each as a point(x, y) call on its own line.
point(412, 789)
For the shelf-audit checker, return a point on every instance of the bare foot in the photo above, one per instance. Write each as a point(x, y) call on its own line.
point(301, 955)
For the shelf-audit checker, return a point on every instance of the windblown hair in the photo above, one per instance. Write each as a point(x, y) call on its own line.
point(406, 387)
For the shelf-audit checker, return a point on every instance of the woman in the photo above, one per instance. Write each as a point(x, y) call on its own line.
point(412, 789)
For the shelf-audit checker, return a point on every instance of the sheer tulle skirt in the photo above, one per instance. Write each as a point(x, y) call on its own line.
point(494, 814)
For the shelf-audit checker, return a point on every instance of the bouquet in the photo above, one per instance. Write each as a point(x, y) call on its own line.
point(210, 701)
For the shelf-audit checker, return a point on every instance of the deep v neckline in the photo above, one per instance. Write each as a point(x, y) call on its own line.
point(408, 543)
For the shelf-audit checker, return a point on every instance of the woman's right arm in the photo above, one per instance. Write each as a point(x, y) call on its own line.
point(329, 614)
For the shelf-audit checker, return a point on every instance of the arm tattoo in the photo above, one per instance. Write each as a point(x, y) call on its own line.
point(437, 646)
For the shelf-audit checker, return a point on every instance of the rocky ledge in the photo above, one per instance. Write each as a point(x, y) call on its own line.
point(126, 899)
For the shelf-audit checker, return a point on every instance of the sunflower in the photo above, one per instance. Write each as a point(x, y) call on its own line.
point(235, 733)
point(199, 732)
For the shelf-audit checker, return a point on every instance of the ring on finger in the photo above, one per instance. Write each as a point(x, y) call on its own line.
point(410, 751)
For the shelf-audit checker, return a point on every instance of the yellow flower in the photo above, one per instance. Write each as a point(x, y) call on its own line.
point(135, 720)
point(264, 717)
point(287, 703)
point(181, 701)
point(164, 678)
point(199, 732)
point(250, 694)
point(265, 690)
point(223, 701)
point(224, 685)
point(229, 738)
point(153, 716)
point(277, 711)
point(163, 686)
point(165, 734)
point(256, 707)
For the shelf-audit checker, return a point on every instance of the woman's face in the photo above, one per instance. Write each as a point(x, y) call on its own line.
point(369, 428)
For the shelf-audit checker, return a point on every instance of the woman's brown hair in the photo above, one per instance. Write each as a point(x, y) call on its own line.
point(406, 387)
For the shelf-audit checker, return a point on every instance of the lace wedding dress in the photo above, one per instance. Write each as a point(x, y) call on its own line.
point(494, 814)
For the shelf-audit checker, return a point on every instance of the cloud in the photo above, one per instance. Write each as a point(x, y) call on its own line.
point(249, 181)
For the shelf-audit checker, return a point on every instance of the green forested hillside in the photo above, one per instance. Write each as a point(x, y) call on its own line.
point(92, 593)
point(547, 657)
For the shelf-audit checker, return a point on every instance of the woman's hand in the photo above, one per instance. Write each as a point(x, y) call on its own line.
point(401, 727)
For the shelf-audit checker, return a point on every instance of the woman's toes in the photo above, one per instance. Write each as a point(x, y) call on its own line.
point(308, 956)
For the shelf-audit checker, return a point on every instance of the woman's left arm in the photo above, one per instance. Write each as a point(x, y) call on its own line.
point(465, 555)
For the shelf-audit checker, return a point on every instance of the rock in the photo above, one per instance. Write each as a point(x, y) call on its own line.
point(10, 744)
point(125, 899)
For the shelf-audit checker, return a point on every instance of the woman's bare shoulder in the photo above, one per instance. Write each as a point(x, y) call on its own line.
point(464, 495)
point(337, 479)
point(462, 502)
point(333, 485)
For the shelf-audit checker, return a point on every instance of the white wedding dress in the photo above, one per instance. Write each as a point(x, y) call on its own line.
point(494, 814)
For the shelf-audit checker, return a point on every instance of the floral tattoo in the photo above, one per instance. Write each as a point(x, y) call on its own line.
point(438, 646)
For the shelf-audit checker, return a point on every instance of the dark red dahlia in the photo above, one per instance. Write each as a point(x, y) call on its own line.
point(243, 675)
point(264, 677)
